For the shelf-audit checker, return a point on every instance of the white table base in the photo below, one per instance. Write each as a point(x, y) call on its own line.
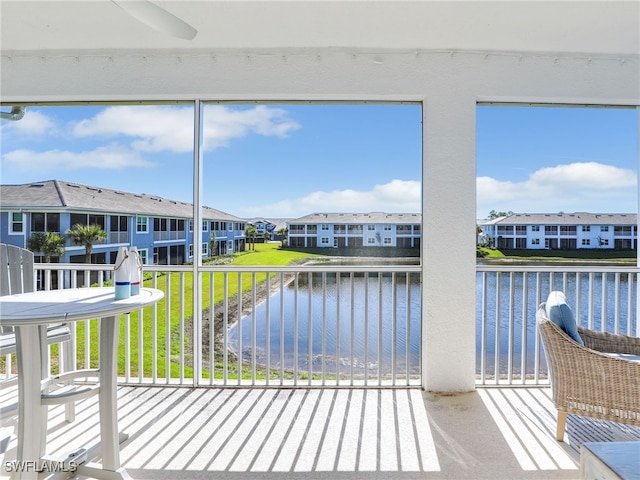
point(32, 413)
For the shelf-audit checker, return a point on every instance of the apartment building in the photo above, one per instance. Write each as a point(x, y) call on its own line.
point(160, 228)
point(356, 230)
point(564, 231)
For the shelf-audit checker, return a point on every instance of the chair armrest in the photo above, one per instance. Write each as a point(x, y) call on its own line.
point(609, 342)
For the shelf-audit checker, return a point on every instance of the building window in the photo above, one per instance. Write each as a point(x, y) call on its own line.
point(17, 222)
point(622, 231)
point(325, 227)
point(177, 225)
point(142, 224)
point(387, 240)
point(521, 229)
point(371, 241)
point(604, 228)
point(535, 241)
point(551, 230)
point(586, 242)
point(535, 228)
point(230, 226)
point(324, 240)
point(46, 222)
point(586, 228)
point(87, 219)
point(205, 226)
point(144, 256)
point(190, 250)
point(205, 249)
point(371, 227)
point(387, 228)
point(604, 242)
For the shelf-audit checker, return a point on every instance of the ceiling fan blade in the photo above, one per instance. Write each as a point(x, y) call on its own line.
point(157, 18)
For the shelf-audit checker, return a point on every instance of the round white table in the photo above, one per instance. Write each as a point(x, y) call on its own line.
point(30, 313)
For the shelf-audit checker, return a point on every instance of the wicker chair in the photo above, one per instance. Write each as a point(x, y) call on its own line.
point(585, 381)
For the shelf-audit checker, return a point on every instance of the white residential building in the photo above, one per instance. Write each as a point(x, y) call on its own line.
point(565, 231)
point(356, 230)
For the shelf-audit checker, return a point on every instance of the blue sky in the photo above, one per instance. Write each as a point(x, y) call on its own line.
point(289, 160)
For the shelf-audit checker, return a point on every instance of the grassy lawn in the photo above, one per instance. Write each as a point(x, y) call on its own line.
point(618, 256)
point(173, 328)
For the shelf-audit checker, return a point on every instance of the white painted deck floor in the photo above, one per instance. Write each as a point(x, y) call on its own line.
point(260, 433)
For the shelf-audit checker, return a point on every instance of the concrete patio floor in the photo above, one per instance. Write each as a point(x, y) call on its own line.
point(259, 433)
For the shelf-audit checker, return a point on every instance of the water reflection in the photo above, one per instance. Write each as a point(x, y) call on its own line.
point(362, 323)
point(342, 324)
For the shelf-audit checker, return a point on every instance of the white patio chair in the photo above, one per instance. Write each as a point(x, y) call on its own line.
point(17, 276)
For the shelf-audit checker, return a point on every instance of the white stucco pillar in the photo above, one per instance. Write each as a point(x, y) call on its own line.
point(449, 213)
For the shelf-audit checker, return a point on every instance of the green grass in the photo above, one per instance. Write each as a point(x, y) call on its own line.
point(490, 252)
point(176, 332)
point(624, 256)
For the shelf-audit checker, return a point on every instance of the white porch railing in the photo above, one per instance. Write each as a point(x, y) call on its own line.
point(508, 347)
point(332, 326)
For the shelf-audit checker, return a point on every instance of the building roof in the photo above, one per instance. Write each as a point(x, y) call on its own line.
point(61, 195)
point(353, 218)
point(577, 218)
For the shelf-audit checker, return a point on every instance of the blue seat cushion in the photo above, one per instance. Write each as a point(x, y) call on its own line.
point(561, 314)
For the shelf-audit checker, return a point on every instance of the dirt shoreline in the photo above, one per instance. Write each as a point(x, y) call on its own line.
point(261, 296)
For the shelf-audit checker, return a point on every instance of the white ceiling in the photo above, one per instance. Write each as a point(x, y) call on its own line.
point(591, 27)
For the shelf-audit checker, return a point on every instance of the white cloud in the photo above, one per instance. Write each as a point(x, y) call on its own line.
point(586, 186)
point(33, 124)
point(396, 196)
point(106, 157)
point(162, 128)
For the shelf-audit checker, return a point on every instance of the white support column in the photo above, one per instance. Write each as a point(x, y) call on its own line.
point(448, 248)
point(637, 237)
point(197, 241)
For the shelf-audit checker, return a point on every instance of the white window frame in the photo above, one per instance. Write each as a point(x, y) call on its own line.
point(12, 222)
point(140, 224)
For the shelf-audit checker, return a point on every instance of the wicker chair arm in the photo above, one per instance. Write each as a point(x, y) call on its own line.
point(609, 342)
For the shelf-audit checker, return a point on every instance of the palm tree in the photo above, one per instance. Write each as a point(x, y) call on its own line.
point(49, 243)
point(283, 233)
point(86, 235)
point(250, 232)
point(213, 244)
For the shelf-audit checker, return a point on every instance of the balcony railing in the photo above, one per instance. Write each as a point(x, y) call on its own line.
point(509, 351)
point(332, 326)
point(162, 235)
